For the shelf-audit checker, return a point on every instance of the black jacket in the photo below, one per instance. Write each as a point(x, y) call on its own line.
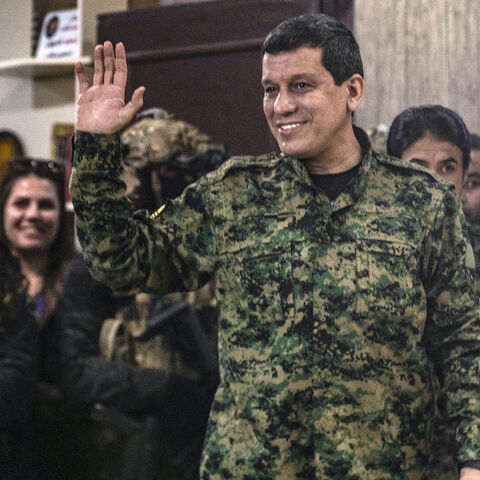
point(18, 373)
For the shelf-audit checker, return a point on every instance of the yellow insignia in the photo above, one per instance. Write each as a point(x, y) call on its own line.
point(160, 210)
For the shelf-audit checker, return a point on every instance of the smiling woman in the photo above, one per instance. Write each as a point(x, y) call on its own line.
point(33, 227)
point(33, 231)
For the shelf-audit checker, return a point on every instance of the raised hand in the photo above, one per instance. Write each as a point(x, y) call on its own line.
point(101, 107)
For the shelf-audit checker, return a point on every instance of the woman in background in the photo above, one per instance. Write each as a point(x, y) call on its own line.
point(33, 230)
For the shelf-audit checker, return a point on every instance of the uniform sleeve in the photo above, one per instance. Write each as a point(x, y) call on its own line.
point(452, 332)
point(132, 253)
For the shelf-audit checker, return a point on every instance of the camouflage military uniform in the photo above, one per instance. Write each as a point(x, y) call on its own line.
point(443, 462)
point(330, 312)
point(474, 237)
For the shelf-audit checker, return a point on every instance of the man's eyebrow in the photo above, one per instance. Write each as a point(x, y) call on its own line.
point(420, 161)
point(297, 76)
point(449, 160)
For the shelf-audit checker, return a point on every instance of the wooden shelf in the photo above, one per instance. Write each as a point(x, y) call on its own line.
point(39, 67)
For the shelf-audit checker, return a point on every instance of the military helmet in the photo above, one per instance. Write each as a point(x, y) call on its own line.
point(157, 137)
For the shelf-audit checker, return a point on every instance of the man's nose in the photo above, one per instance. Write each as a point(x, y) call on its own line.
point(284, 103)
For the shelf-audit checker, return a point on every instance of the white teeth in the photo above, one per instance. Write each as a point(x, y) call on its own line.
point(290, 126)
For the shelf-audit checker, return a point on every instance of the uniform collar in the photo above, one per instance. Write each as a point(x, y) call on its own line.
point(357, 185)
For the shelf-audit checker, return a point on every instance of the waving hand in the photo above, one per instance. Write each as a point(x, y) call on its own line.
point(101, 106)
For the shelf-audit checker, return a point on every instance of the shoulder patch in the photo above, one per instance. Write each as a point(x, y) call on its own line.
point(239, 163)
point(469, 257)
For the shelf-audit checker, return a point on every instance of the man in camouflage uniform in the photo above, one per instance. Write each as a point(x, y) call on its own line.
point(340, 273)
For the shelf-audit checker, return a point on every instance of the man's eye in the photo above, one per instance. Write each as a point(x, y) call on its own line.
point(269, 91)
point(449, 168)
point(301, 85)
point(472, 184)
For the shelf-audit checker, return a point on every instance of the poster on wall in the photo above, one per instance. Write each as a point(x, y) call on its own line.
point(10, 148)
point(59, 36)
point(61, 150)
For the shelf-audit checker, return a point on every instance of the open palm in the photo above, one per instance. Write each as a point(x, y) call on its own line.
point(101, 106)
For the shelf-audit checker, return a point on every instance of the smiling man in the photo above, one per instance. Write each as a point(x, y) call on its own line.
point(341, 274)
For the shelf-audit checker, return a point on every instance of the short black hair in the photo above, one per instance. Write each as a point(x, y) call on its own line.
point(475, 141)
point(441, 122)
point(341, 54)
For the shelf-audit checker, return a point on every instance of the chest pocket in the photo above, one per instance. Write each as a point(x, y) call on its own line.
point(385, 275)
point(266, 274)
point(255, 276)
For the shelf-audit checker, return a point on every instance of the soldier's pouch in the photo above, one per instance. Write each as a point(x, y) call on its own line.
point(116, 342)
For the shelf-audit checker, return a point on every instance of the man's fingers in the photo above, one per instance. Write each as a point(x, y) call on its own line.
point(82, 77)
point(109, 62)
point(98, 65)
point(134, 105)
point(120, 78)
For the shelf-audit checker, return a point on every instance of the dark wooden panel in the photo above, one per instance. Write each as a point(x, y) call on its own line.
point(202, 62)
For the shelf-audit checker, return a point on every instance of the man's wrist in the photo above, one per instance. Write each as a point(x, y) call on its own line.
point(470, 473)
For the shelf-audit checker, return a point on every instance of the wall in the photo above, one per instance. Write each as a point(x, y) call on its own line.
point(414, 51)
point(417, 52)
point(30, 106)
point(26, 107)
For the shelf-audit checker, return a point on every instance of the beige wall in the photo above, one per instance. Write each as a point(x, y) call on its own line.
point(417, 52)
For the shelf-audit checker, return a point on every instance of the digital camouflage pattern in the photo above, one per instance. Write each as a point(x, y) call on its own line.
point(331, 313)
point(474, 237)
point(443, 461)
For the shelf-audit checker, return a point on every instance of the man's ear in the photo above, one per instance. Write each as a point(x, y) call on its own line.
point(354, 86)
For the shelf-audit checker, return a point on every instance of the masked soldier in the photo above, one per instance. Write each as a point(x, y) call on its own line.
point(146, 365)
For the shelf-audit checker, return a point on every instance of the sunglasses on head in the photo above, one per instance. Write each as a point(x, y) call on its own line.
point(37, 165)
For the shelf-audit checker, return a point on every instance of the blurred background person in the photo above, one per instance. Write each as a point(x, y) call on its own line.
point(34, 231)
point(18, 374)
point(146, 366)
point(436, 138)
point(471, 202)
point(378, 137)
point(471, 187)
point(32, 206)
